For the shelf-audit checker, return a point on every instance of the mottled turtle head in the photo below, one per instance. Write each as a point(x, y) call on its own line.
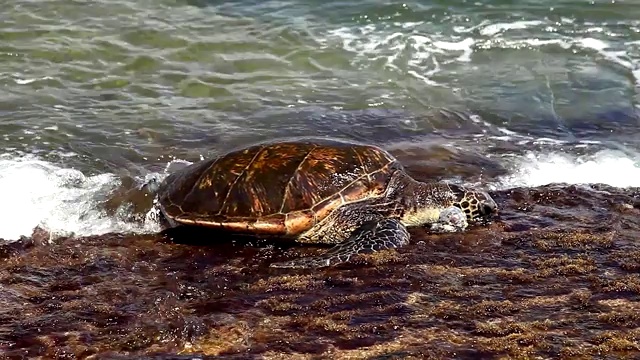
point(477, 205)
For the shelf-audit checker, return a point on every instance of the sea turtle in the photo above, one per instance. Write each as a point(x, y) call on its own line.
point(317, 190)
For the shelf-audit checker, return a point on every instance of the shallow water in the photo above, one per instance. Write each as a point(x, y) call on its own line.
point(98, 99)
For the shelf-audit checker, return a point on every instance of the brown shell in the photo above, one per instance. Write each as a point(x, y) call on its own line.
point(278, 188)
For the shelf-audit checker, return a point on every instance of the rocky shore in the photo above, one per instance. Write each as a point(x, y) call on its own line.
point(557, 276)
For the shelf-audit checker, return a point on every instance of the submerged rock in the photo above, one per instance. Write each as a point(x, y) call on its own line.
point(556, 276)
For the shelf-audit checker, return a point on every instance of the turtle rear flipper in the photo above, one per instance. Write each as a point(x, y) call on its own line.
point(372, 236)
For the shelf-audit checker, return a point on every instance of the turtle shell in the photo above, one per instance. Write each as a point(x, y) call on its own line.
point(277, 188)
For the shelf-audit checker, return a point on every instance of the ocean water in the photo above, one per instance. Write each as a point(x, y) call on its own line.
point(98, 98)
point(535, 101)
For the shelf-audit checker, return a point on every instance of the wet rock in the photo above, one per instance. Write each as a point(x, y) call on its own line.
point(555, 276)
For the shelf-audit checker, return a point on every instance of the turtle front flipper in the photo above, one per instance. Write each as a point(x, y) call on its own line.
point(372, 236)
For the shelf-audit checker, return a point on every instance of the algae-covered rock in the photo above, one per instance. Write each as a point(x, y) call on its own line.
point(555, 277)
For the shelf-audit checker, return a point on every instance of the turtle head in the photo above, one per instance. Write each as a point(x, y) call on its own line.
point(477, 205)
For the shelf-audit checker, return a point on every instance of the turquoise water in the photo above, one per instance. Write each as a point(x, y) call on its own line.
point(99, 97)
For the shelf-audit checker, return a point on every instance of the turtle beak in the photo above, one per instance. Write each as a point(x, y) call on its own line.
point(487, 207)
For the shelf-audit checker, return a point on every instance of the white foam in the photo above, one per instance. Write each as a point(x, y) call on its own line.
point(370, 43)
point(63, 201)
point(427, 53)
point(493, 29)
point(29, 81)
point(609, 167)
point(463, 45)
point(593, 43)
